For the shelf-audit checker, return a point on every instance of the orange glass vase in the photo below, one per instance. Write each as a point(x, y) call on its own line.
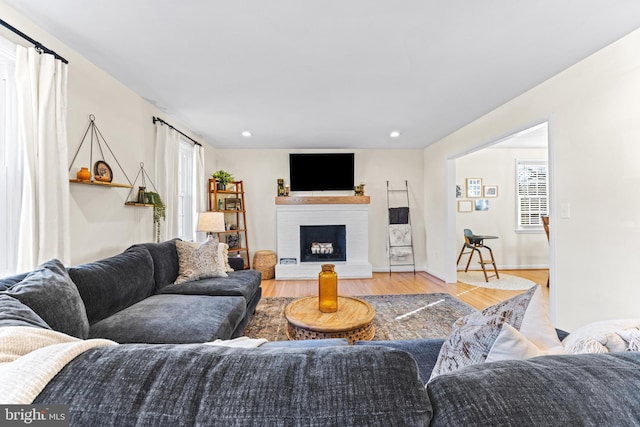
point(84, 174)
point(328, 289)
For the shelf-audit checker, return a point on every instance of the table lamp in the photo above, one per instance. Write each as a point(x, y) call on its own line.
point(210, 222)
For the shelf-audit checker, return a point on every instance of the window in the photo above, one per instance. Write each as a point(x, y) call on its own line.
point(10, 162)
point(533, 194)
point(186, 210)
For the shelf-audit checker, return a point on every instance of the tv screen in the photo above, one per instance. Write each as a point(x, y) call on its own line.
point(321, 172)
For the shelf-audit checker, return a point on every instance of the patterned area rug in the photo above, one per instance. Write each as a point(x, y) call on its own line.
point(398, 317)
point(506, 282)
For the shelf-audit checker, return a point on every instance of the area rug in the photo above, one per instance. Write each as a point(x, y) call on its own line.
point(398, 317)
point(506, 282)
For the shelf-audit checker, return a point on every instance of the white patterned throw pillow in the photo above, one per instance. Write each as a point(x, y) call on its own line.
point(517, 328)
point(605, 336)
point(198, 261)
point(223, 257)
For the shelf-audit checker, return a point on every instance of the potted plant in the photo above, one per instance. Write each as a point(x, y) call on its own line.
point(222, 179)
point(158, 211)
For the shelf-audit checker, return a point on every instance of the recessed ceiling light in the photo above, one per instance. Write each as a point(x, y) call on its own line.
point(246, 134)
point(394, 134)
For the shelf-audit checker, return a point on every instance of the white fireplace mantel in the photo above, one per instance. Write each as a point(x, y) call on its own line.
point(353, 212)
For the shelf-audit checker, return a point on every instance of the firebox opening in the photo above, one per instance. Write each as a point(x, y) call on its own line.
point(323, 243)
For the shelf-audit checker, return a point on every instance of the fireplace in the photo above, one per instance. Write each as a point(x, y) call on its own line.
point(350, 216)
point(323, 243)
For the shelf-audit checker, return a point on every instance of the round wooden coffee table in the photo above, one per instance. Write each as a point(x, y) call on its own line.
point(353, 320)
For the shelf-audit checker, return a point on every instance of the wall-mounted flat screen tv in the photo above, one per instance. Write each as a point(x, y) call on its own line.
point(321, 171)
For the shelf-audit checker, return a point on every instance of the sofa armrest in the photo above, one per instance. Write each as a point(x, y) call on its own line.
point(237, 263)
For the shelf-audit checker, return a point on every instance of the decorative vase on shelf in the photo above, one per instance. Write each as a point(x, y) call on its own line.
point(84, 174)
point(142, 195)
point(328, 289)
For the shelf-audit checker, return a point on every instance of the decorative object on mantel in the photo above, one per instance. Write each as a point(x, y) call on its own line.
point(280, 187)
point(102, 173)
point(147, 198)
point(359, 190)
point(222, 179)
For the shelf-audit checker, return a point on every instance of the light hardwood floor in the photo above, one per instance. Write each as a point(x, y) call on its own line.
point(406, 283)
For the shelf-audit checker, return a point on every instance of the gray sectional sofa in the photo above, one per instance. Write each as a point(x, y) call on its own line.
point(131, 298)
point(178, 381)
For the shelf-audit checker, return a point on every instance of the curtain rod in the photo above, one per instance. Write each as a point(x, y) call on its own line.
point(158, 119)
point(39, 46)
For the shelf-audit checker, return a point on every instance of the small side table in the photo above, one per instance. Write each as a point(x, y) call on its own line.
point(353, 320)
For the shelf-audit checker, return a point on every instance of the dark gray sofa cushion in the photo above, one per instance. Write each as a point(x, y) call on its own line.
point(326, 342)
point(15, 313)
point(239, 283)
point(425, 352)
point(202, 385)
point(51, 294)
point(112, 284)
point(9, 281)
point(173, 319)
point(165, 261)
point(567, 390)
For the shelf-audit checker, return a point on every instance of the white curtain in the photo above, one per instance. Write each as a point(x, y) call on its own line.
point(200, 181)
point(167, 161)
point(41, 83)
point(200, 184)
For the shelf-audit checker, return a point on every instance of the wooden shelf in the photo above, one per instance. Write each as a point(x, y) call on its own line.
point(104, 184)
point(147, 205)
point(323, 200)
point(238, 217)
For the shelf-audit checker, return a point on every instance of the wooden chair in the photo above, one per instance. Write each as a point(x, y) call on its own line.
point(474, 244)
point(545, 224)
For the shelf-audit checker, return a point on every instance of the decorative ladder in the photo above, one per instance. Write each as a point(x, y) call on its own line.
point(399, 233)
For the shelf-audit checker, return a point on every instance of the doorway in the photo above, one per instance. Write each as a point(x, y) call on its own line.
point(494, 163)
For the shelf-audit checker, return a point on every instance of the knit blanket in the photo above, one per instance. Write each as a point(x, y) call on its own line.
point(31, 357)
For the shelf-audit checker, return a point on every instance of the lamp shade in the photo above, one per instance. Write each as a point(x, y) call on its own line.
point(211, 222)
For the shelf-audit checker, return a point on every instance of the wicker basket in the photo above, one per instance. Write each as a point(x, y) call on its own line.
point(265, 263)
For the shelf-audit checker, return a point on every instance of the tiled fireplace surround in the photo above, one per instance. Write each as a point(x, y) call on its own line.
point(351, 211)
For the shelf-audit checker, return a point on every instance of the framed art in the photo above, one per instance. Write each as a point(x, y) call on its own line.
point(474, 187)
point(465, 206)
point(232, 204)
point(102, 171)
point(490, 191)
point(482, 205)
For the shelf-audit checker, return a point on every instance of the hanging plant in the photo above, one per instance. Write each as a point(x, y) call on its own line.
point(223, 177)
point(159, 210)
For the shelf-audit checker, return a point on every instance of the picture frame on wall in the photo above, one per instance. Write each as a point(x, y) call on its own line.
point(474, 187)
point(482, 205)
point(465, 206)
point(490, 191)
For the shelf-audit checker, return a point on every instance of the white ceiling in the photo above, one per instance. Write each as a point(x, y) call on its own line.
point(332, 73)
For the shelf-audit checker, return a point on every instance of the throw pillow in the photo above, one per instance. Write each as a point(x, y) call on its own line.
point(49, 291)
point(223, 257)
point(473, 337)
point(15, 313)
point(604, 337)
point(198, 261)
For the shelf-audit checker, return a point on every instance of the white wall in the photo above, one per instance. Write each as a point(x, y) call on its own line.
point(260, 169)
point(593, 110)
point(101, 225)
point(512, 250)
